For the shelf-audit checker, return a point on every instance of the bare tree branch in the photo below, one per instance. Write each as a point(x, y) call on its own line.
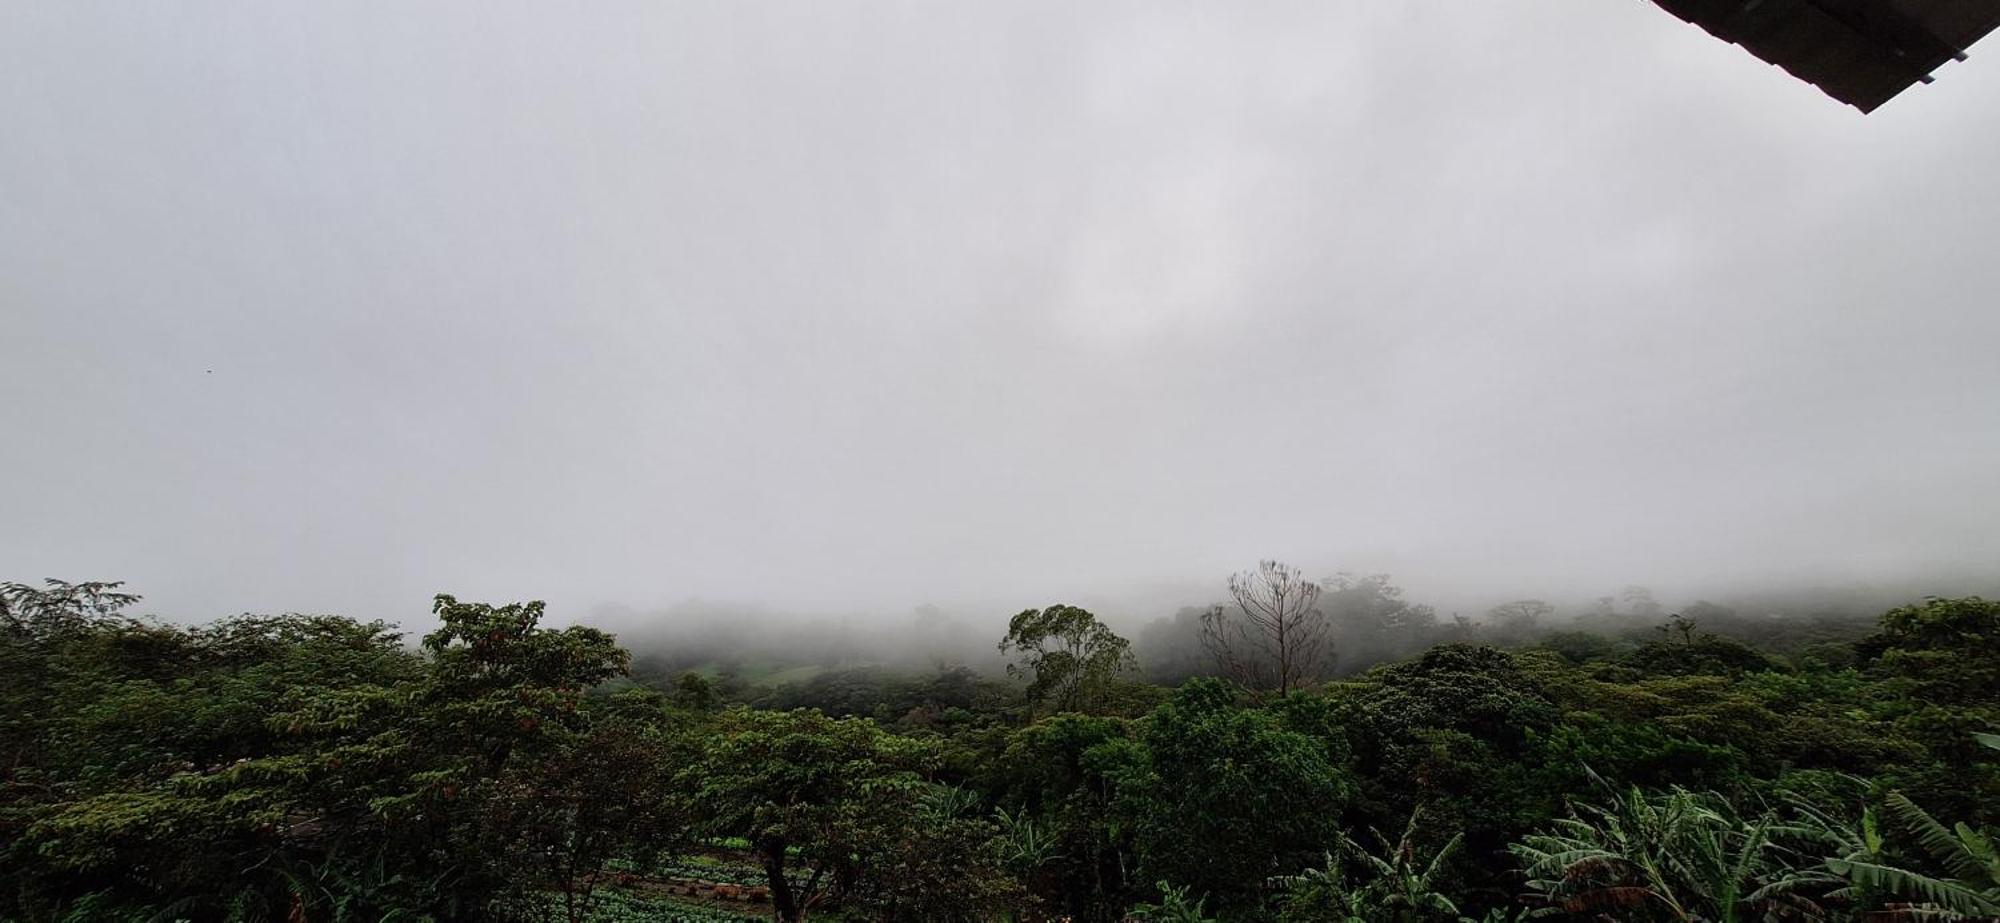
point(1275, 637)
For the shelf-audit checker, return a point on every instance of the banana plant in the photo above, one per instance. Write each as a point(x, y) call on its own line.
point(1397, 885)
point(1859, 872)
point(1675, 856)
point(1972, 892)
point(1177, 905)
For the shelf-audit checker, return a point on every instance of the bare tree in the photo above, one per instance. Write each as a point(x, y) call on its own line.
point(1517, 622)
point(1275, 637)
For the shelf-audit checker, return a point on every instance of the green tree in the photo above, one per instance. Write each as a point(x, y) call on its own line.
point(1943, 650)
point(1372, 622)
point(1684, 649)
point(1460, 731)
point(1059, 778)
point(803, 788)
point(138, 731)
point(1222, 797)
point(503, 736)
point(1072, 660)
point(942, 864)
point(59, 604)
point(310, 766)
point(696, 692)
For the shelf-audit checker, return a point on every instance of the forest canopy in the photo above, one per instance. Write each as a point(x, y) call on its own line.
point(311, 767)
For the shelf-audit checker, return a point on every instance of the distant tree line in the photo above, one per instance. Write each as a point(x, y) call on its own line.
point(306, 768)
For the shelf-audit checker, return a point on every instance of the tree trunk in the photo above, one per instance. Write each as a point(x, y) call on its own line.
point(783, 901)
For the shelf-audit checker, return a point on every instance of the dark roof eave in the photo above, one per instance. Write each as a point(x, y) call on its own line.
point(1861, 52)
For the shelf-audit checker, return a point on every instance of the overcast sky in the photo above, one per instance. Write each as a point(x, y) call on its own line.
point(333, 306)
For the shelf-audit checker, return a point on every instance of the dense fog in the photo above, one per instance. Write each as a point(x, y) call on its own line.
point(871, 461)
point(863, 308)
point(1370, 620)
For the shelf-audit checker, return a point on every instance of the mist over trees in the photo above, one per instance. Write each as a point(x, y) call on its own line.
point(1274, 637)
point(1364, 619)
point(958, 462)
point(1566, 765)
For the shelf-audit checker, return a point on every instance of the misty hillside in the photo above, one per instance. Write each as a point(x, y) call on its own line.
point(1021, 461)
point(758, 650)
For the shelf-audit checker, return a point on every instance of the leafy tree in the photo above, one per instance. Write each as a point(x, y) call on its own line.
point(696, 692)
point(1221, 798)
point(1684, 650)
point(507, 738)
point(1072, 659)
point(43, 630)
point(1942, 650)
point(1461, 732)
point(1060, 779)
point(1578, 647)
point(1371, 621)
point(944, 864)
point(309, 765)
point(117, 793)
point(602, 794)
point(1479, 690)
point(1639, 752)
point(1170, 648)
point(59, 604)
point(801, 787)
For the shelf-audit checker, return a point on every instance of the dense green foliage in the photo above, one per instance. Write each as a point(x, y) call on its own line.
point(317, 768)
point(1071, 660)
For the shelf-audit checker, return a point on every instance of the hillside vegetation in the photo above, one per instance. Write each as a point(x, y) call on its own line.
point(309, 768)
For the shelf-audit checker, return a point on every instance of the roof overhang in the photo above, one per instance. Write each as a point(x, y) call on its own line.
point(1861, 52)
